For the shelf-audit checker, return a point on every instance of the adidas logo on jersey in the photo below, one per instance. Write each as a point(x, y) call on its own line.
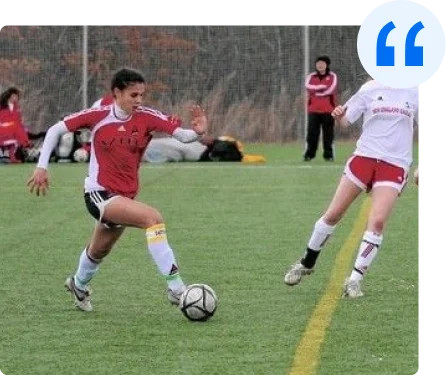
point(121, 128)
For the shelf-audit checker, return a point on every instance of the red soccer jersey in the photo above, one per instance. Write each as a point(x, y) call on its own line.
point(118, 145)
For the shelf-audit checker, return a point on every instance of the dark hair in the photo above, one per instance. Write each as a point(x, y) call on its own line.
point(125, 77)
point(5, 95)
point(325, 59)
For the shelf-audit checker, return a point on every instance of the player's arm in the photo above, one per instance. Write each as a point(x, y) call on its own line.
point(199, 127)
point(339, 115)
point(39, 181)
point(351, 111)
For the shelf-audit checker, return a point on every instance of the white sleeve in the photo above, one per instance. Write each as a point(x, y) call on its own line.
point(356, 106)
point(49, 144)
point(186, 135)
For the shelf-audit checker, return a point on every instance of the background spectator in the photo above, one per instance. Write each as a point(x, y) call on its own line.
point(209, 148)
point(321, 89)
point(12, 132)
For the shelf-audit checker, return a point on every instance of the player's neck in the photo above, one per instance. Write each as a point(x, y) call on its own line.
point(119, 113)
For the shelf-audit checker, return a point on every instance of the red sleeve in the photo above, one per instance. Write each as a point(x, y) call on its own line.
point(87, 118)
point(160, 122)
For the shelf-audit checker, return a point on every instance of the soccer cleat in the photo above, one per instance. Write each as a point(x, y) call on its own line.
point(82, 298)
point(294, 275)
point(352, 289)
point(174, 296)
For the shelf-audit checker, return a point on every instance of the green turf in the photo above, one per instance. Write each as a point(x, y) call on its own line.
point(233, 226)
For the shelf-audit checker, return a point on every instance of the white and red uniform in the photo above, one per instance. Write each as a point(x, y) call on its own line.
point(118, 143)
point(105, 100)
point(387, 132)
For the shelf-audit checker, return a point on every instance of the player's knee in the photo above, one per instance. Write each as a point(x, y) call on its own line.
point(153, 217)
point(377, 225)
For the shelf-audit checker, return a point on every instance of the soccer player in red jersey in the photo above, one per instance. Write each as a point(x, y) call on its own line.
point(121, 132)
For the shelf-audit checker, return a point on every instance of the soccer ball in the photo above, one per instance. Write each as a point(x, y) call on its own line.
point(198, 302)
point(81, 155)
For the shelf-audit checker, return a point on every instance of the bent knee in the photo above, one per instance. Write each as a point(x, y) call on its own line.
point(151, 218)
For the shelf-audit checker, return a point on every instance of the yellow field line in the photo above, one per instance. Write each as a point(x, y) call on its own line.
point(306, 357)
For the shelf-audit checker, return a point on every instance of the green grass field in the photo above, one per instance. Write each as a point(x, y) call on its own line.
point(235, 227)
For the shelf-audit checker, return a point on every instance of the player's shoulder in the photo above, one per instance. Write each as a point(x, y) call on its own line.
point(151, 112)
point(370, 85)
point(90, 113)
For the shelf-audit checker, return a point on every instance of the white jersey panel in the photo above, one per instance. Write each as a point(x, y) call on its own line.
point(388, 121)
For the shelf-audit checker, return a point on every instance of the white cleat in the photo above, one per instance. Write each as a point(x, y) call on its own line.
point(82, 298)
point(174, 296)
point(352, 289)
point(294, 275)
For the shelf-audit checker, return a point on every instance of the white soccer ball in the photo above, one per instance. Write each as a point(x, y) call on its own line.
point(81, 155)
point(198, 302)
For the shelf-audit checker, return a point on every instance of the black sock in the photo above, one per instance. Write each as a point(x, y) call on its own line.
point(309, 260)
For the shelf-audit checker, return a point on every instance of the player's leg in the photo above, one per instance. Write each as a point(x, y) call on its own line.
point(328, 137)
point(12, 149)
point(104, 236)
point(389, 182)
point(346, 193)
point(313, 132)
point(101, 243)
point(128, 212)
point(357, 176)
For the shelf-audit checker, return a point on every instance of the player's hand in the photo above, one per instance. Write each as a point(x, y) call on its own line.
point(338, 112)
point(416, 176)
point(39, 182)
point(199, 120)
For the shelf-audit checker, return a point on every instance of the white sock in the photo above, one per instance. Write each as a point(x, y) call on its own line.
point(163, 256)
point(321, 232)
point(368, 249)
point(86, 270)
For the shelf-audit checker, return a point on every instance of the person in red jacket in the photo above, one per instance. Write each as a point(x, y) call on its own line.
point(12, 132)
point(321, 89)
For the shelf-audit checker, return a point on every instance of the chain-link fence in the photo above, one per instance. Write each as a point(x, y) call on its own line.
point(250, 79)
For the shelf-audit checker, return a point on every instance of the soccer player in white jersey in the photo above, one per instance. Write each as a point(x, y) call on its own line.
point(379, 165)
point(121, 132)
